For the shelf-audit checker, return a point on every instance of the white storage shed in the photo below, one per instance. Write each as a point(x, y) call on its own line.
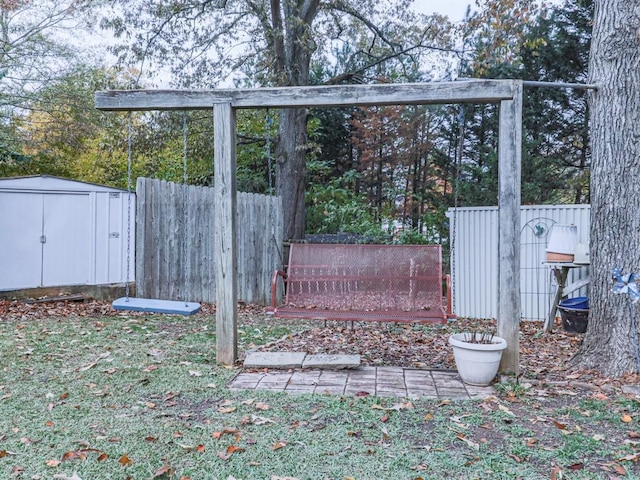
point(57, 232)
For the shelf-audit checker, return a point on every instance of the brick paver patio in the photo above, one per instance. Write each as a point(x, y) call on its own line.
point(380, 381)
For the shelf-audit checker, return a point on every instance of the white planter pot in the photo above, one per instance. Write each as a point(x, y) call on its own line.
point(477, 362)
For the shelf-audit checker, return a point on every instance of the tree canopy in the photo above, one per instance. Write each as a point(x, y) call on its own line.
point(388, 167)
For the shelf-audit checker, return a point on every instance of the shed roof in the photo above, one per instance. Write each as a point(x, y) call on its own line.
point(48, 183)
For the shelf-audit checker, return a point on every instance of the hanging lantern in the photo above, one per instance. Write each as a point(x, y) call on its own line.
point(562, 243)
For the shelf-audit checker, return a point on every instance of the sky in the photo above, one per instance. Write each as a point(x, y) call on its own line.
point(454, 9)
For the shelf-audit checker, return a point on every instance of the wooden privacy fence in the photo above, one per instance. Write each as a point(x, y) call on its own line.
point(175, 253)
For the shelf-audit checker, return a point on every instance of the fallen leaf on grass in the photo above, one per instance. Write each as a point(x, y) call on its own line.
point(258, 420)
point(171, 396)
point(506, 410)
point(397, 407)
point(125, 461)
point(226, 409)
point(163, 472)
point(626, 418)
point(195, 373)
point(274, 477)
point(62, 476)
point(633, 443)
point(566, 392)
point(630, 458)
point(559, 425)
point(278, 445)
point(74, 455)
point(102, 457)
point(619, 469)
point(225, 431)
point(231, 449)
point(262, 406)
point(94, 363)
point(52, 463)
point(576, 466)
point(470, 443)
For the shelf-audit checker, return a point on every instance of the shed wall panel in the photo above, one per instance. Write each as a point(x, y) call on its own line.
point(67, 251)
point(20, 247)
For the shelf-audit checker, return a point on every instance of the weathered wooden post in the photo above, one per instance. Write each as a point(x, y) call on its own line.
point(509, 178)
point(224, 121)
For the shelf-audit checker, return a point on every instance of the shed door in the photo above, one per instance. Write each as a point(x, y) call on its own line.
point(20, 247)
point(66, 256)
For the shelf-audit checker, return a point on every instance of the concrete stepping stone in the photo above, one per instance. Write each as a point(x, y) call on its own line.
point(331, 362)
point(282, 360)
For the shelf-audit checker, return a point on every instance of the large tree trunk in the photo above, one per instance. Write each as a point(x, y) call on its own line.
point(291, 169)
point(615, 183)
point(293, 46)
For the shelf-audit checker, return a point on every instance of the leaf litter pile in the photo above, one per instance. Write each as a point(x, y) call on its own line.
point(90, 393)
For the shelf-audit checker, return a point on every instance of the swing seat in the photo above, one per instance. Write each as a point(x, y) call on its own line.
point(385, 283)
point(172, 307)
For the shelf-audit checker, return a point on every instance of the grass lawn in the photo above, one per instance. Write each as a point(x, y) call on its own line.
point(140, 397)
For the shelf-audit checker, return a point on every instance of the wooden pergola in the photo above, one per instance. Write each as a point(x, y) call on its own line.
point(225, 102)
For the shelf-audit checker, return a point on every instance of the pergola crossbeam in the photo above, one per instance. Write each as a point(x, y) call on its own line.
point(468, 91)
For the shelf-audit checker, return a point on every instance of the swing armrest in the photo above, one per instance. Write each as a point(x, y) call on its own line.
point(274, 286)
point(449, 312)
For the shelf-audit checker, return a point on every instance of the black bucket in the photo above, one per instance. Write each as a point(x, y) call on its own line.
point(574, 319)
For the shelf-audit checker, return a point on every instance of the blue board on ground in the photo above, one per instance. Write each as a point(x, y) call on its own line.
point(156, 306)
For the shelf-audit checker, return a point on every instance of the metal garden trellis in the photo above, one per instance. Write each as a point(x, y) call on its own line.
point(225, 102)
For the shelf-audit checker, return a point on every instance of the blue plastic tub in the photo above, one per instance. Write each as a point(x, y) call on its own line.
point(580, 303)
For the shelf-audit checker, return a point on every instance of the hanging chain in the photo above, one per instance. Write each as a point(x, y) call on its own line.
point(267, 147)
point(129, 175)
point(456, 194)
point(185, 187)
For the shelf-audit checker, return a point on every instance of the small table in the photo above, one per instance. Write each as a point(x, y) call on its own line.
point(561, 271)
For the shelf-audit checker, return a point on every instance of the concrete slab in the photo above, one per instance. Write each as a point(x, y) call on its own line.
point(331, 362)
point(281, 360)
